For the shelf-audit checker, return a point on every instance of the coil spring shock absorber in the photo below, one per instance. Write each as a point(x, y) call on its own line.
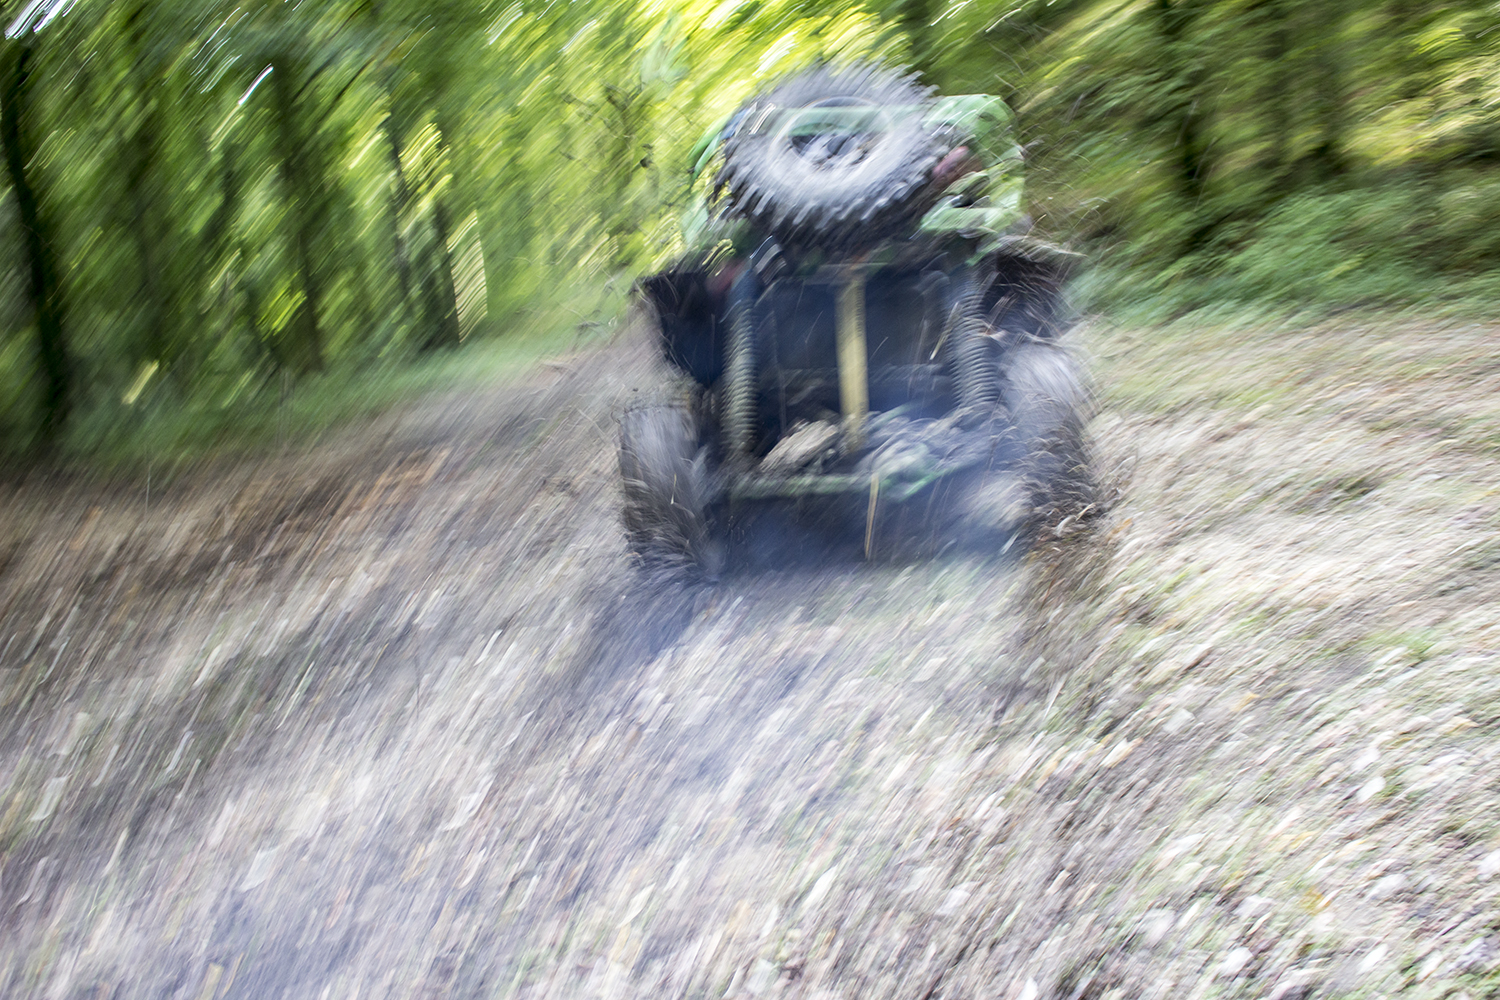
point(974, 375)
point(740, 373)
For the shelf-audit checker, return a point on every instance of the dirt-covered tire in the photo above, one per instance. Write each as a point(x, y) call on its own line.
point(669, 491)
point(1049, 407)
point(836, 191)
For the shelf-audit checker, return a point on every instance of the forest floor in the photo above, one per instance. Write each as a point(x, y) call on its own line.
point(392, 717)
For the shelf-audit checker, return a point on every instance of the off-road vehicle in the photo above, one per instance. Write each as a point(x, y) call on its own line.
point(859, 327)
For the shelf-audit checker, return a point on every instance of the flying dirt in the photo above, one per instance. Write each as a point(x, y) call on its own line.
point(393, 716)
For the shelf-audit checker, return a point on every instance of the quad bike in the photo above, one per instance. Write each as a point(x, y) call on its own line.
point(859, 325)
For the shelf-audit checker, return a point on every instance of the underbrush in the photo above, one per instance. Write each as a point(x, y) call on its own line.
point(1326, 250)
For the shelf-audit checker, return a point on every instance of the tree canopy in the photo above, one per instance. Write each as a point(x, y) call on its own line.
point(202, 202)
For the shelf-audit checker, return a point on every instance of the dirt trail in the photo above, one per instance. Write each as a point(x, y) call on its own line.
point(394, 718)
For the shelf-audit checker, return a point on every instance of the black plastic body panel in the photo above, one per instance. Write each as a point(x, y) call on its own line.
point(690, 320)
point(906, 308)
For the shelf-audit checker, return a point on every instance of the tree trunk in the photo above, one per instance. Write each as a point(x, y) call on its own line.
point(511, 230)
point(304, 209)
point(400, 198)
point(1174, 22)
point(1276, 95)
point(147, 211)
point(914, 18)
point(461, 161)
point(236, 297)
point(1327, 79)
point(435, 264)
point(620, 163)
point(395, 132)
point(1405, 61)
point(1182, 99)
point(442, 293)
point(42, 285)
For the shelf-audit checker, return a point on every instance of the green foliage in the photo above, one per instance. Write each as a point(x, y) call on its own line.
point(203, 200)
point(1250, 151)
point(241, 196)
point(1392, 244)
point(1325, 179)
